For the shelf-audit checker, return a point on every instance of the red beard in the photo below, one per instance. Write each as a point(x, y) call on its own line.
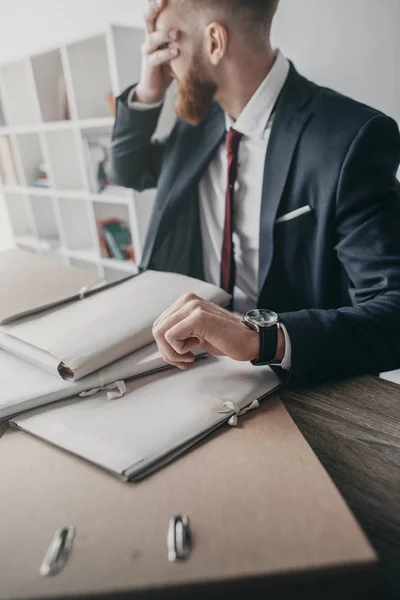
point(195, 95)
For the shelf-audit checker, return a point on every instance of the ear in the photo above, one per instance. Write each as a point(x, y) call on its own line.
point(216, 37)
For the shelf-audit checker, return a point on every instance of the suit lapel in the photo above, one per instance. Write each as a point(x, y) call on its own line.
point(201, 147)
point(293, 111)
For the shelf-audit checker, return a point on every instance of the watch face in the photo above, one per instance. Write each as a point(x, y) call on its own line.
point(263, 318)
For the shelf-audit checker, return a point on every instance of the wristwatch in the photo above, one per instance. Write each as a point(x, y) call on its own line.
point(266, 323)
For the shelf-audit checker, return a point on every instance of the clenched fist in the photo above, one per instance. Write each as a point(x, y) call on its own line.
point(192, 322)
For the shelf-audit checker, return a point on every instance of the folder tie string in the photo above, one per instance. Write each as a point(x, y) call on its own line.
point(229, 405)
point(85, 290)
point(114, 390)
point(82, 292)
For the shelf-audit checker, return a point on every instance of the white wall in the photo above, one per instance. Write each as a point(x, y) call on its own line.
point(350, 45)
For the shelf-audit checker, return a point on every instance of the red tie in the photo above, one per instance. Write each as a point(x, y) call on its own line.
point(228, 271)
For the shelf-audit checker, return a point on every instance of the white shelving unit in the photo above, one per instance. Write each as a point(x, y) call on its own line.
point(61, 219)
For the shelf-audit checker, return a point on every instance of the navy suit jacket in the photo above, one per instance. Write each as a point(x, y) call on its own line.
point(332, 274)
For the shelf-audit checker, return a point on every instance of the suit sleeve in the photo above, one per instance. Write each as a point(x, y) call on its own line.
point(136, 158)
point(364, 337)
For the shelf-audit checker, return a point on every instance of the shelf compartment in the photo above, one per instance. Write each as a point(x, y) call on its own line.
point(76, 218)
point(8, 170)
point(105, 212)
point(90, 74)
point(31, 155)
point(45, 222)
point(20, 215)
point(66, 167)
point(18, 94)
point(50, 86)
point(126, 43)
point(144, 204)
point(96, 144)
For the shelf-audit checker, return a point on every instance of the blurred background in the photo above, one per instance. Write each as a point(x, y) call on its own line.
point(352, 46)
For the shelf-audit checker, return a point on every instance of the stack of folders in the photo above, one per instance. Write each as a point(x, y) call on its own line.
point(79, 356)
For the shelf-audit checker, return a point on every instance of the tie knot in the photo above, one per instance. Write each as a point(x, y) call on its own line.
point(232, 141)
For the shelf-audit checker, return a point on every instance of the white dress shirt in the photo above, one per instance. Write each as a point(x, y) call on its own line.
point(255, 123)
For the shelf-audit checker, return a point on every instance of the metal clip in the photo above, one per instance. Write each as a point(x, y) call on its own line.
point(179, 538)
point(58, 552)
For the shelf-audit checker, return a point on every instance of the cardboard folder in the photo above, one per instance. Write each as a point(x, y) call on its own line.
point(264, 516)
point(78, 338)
point(30, 283)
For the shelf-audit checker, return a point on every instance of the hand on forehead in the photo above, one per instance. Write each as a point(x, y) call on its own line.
point(160, 15)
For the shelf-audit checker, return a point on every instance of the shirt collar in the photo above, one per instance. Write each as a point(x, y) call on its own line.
point(253, 120)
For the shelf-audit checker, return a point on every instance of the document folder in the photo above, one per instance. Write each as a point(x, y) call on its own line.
point(159, 417)
point(78, 338)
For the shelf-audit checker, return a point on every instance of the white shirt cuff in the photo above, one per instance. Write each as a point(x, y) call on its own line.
point(286, 363)
point(135, 105)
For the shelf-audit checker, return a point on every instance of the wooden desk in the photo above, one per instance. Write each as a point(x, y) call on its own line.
point(354, 428)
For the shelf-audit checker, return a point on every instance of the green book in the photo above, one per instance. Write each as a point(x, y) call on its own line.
point(118, 239)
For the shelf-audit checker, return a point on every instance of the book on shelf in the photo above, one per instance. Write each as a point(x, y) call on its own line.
point(42, 179)
point(115, 239)
point(98, 164)
point(8, 173)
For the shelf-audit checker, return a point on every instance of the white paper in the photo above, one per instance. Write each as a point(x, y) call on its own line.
point(158, 416)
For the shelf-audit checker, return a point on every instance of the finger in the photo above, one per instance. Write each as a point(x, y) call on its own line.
point(167, 352)
point(172, 357)
point(162, 57)
point(159, 38)
point(179, 365)
point(182, 334)
point(154, 7)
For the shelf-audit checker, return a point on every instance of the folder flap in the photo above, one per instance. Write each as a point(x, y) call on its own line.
point(158, 417)
point(260, 504)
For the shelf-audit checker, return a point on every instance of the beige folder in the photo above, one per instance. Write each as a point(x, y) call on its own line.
point(84, 336)
point(264, 515)
point(30, 283)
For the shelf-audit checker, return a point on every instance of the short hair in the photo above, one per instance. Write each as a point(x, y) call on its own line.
point(253, 17)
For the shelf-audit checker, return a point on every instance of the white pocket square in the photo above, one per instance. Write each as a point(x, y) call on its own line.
point(294, 214)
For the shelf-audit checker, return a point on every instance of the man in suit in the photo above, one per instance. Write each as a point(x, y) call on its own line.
point(281, 191)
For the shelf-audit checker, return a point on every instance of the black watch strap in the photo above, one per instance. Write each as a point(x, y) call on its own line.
point(268, 345)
